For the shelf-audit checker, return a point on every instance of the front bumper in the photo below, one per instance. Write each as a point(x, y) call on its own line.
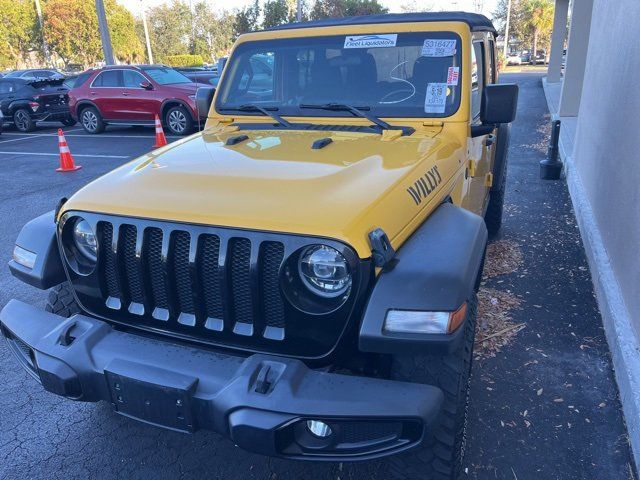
point(261, 402)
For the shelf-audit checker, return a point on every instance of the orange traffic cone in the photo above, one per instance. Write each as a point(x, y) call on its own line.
point(66, 160)
point(161, 141)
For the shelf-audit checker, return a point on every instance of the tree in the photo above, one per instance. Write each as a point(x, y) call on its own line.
point(538, 21)
point(345, 8)
point(276, 12)
point(18, 31)
point(127, 46)
point(170, 29)
point(247, 19)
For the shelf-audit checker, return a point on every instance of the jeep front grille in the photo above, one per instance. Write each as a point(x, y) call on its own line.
point(215, 285)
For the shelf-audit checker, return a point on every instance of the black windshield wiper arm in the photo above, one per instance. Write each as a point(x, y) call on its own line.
point(268, 111)
point(343, 107)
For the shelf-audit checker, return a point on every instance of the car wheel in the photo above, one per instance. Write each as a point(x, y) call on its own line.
point(91, 120)
point(68, 122)
point(178, 121)
point(441, 455)
point(61, 301)
point(23, 121)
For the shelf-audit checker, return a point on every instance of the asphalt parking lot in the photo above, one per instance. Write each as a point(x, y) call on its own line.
point(545, 407)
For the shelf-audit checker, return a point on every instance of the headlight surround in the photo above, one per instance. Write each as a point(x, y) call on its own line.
point(80, 245)
point(324, 271)
point(85, 239)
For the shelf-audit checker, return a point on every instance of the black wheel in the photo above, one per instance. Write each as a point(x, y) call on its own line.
point(178, 121)
point(61, 301)
point(495, 208)
point(23, 121)
point(441, 456)
point(91, 120)
point(68, 122)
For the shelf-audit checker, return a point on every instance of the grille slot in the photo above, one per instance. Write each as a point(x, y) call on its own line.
point(108, 262)
point(272, 256)
point(240, 266)
point(132, 270)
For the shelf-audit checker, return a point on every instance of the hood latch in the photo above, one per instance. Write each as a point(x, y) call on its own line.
point(382, 252)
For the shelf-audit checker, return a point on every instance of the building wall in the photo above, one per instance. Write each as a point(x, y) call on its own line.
point(607, 145)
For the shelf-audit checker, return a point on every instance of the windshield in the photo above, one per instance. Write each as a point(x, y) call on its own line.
point(390, 75)
point(165, 75)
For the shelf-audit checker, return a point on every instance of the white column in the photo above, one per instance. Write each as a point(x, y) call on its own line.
point(557, 40)
point(577, 48)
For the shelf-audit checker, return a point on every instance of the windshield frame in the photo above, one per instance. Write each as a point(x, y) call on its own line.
point(271, 42)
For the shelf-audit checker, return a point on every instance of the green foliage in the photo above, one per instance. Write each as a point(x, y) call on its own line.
point(530, 23)
point(247, 19)
point(345, 8)
point(276, 12)
point(184, 60)
point(19, 32)
point(126, 45)
point(170, 28)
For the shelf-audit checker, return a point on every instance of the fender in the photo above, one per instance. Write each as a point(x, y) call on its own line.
point(181, 102)
point(79, 105)
point(437, 269)
point(16, 104)
point(39, 236)
point(500, 157)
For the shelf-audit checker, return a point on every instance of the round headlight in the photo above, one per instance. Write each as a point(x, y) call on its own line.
point(85, 239)
point(325, 271)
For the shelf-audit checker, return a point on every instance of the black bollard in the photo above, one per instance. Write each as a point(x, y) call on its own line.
point(551, 167)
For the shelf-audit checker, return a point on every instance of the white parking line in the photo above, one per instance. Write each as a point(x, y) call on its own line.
point(86, 135)
point(27, 136)
point(57, 154)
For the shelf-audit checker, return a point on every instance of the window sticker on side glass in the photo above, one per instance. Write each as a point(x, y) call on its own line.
point(453, 75)
point(436, 99)
point(439, 48)
point(371, 41)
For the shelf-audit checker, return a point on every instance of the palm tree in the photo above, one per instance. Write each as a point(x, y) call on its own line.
point(538, 19)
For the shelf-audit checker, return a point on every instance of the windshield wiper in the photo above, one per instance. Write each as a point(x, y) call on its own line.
point(343, 107)
point(268, 111)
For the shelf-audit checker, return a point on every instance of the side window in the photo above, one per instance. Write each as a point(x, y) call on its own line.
point(492, 62)
point(477, 77)
point(108, 79)
point(132, 79)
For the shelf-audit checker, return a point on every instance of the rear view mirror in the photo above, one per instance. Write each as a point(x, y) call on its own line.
point(499, 104)
point(204, 97)
point(146, 85)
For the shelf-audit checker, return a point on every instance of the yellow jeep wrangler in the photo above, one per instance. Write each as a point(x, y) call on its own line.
point(301, 275)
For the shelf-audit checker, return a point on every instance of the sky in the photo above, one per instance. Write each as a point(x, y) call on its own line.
point(488, 6)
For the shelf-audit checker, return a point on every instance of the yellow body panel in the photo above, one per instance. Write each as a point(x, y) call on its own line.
point(274, 181)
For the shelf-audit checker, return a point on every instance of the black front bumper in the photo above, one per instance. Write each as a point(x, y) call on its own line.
point(261, 402)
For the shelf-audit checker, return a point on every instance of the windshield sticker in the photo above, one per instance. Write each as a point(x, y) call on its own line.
point(371, 41)
point(436, 98)
point(453, 75)
point(439, 48)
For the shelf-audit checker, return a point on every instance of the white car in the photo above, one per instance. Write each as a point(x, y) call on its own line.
point(514, 59)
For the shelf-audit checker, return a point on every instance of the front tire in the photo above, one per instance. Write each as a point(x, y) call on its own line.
point(178, 121)
point(91, 120)
point(495, 208)
point(440, 457)
point(23, 121)
point(61, 301)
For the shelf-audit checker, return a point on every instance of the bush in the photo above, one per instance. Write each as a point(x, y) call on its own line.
point(184, 60)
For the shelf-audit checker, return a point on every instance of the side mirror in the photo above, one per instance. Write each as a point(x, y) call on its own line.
point(204, 97)
point(146, 85)
point(499, 103)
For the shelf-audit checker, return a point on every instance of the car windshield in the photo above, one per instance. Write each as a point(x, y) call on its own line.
point(389, 75)
point(165, 75)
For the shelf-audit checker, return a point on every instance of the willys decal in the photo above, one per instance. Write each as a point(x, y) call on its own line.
point(426, 184)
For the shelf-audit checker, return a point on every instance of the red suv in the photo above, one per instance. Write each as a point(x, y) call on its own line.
point(133, 95)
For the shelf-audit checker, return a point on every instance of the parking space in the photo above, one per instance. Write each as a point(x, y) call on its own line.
point(545, 406)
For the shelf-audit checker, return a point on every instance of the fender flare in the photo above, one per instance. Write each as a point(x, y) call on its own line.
point(20, 103)
point(80, 105)
point(438, 269)
point(39, 236)
point(167, 101)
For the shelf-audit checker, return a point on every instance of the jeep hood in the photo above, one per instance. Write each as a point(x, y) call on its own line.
point(276, 181)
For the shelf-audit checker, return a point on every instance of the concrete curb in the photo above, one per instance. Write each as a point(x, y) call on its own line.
point(621, 337)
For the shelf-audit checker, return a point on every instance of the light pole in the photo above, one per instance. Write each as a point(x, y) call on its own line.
point(146, 35)
point(104, 33)
point(505, 48)
point(45, 46)
point(299, 11)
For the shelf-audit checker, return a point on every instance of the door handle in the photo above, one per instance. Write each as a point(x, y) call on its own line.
point(93, 93)
point(125, 94)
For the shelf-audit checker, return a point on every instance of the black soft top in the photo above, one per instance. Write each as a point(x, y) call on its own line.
point(476, 22)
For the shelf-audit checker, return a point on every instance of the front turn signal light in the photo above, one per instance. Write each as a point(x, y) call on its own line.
point(24, 257)
point(415, 321)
